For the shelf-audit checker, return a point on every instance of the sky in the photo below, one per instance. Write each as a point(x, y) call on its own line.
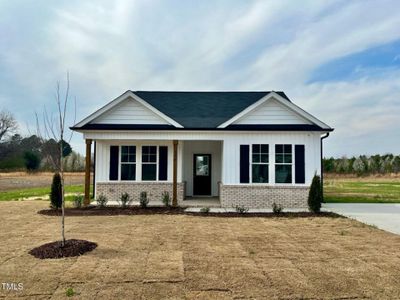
point(339, 60)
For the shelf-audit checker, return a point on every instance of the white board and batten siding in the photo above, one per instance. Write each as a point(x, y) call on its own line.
point(271, 112)
point(230, 152)
point(130, 111)
point(103, 157)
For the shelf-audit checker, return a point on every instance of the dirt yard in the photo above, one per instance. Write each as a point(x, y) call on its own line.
point(193, 257)
point(18, 180)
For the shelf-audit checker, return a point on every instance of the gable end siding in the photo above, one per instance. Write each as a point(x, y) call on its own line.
point(271, 112)
point(130, 111)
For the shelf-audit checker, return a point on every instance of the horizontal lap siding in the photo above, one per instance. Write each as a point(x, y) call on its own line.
point(130, 112)
point(272, 112)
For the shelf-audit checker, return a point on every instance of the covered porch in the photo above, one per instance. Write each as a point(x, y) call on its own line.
point(193, 172)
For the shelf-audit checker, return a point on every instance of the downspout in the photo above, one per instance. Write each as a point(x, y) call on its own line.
point(322, 167)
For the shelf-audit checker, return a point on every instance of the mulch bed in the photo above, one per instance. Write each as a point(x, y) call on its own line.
point(115, 211)
point(71, 248)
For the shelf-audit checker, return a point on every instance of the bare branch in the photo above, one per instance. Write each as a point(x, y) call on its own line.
point(8, 124)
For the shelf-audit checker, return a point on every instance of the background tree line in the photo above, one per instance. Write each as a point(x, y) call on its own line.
point(33, 153)
point(363, 164)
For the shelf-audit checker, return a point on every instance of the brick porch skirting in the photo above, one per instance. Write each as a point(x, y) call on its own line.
point(263, 196)
point(113, 190)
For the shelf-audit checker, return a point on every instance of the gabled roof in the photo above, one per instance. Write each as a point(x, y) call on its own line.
point(202, 109)
point(199, 111)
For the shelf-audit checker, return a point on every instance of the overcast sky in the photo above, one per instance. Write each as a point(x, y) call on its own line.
point(339, 60)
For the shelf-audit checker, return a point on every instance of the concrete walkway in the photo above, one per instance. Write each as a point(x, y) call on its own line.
point(384, 216)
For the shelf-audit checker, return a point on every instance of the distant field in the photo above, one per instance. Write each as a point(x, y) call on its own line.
point(20, 185)
point(362, 189)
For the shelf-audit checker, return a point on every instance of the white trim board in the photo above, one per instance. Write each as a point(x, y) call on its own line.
point(116, 101)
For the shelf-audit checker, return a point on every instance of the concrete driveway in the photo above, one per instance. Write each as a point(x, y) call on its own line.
point(384, 216)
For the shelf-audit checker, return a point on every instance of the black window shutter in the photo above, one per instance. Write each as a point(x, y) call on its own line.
point(300, 164)
point(244, 163)
point(163, 163)
point(114, 162)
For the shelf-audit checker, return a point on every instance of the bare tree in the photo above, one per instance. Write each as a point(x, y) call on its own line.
point(54, 128)
point(8, 124)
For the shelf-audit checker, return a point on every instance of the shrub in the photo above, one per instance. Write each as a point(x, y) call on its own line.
point(241, 209)
point(205, 210)
point(69, 292)
point(166, 199)
point(315, 195)
point(143, 200)
point(32, 161)
point(56, 193)
point(124, 200)
point(277, 208)
point(101, 200)
point(78, 201)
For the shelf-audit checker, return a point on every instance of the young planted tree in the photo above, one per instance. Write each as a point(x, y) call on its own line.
point(53, 128)
point(315, 195)
point(56, 192)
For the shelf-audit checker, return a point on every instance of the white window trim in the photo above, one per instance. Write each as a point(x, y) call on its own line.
point(149, 163)
point(293, 163)
point(130, 163)
point(260, 163)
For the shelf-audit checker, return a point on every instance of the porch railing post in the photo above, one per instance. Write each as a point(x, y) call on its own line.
point(87, 172)
point(175, 175)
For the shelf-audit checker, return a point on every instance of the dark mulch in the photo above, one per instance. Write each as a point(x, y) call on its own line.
point(114, 211)
point(71, 248)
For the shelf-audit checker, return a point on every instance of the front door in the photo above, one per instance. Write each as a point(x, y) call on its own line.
point(202, 174)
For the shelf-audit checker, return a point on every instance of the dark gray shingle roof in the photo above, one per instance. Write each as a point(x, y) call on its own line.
point(202, 109)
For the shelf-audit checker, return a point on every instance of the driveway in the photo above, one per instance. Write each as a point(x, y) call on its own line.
point(384, 216)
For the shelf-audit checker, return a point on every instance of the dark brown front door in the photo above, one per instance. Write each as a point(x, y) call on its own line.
point(202, 174)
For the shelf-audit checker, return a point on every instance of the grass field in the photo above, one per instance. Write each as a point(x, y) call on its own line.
point(337, 189)
point(362, 190)
point(22, 186)
point(38, 192)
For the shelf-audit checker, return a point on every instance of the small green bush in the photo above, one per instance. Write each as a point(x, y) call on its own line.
point(241, 209)
point(166, 199)
point(315, 195)
point(78, 201)
point(70, 292)
point(125, 200)
point(277, 208)
point(143, 200)
point(56, 192)
point(101, 200)
point(205, 210)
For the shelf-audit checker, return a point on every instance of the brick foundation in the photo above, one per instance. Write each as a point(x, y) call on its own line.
point(263, 196)
point(113, 190)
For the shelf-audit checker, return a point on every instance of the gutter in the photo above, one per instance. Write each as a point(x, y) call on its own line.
point(322, 166)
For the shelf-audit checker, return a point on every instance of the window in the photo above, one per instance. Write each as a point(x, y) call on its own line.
point(128, 162)
point(283, 163)
point(259, 163)
point(149, 162)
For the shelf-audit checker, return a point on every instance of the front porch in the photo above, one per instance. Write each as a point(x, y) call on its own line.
point(190, 171)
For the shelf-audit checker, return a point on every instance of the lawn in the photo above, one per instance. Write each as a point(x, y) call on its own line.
point(38, 192)
point(362, 190)
point(195, 257)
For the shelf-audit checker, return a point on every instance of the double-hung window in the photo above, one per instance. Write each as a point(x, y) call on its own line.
point(128, 162)
point(283, 163)
point(149, 163)
point(259, 163)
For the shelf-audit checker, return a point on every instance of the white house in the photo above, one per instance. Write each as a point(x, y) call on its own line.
point(237, 148)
